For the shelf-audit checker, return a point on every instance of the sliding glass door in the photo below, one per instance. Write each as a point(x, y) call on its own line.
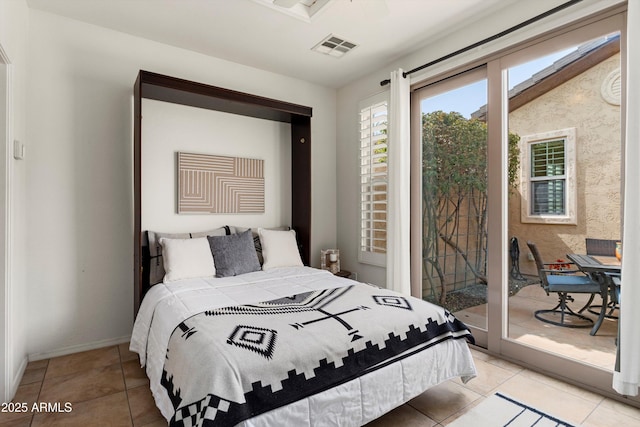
point(524, 148)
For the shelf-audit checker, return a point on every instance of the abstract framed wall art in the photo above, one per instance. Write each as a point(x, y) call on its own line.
point(209, 184)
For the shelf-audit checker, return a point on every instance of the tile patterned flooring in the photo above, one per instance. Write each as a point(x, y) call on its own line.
point(107, 387)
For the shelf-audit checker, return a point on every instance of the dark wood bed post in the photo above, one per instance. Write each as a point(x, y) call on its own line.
point(301, 183)
point(170, 89)
point(137, 195)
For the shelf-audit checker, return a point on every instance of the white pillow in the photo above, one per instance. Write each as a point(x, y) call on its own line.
point(187, 258)
point(279, 249)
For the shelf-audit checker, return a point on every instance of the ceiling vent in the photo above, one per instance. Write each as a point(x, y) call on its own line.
point(334, 46)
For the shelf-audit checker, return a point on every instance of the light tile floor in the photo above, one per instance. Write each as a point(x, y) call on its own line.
point(107, 387)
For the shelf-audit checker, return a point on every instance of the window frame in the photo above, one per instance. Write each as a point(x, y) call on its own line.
point(569, 177)
point(368, 256)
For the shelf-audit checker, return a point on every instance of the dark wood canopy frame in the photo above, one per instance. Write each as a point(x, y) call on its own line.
point(178, 91)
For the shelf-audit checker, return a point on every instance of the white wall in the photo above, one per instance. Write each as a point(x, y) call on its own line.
point(73, 257)
point(350, 95)
point(79, 166)
point(170, 128)
point(14, 26)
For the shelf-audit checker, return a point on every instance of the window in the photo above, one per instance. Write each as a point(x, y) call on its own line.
point(373, 180)
point(548, 178)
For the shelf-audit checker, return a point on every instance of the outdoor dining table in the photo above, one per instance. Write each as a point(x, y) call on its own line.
point(598, 267)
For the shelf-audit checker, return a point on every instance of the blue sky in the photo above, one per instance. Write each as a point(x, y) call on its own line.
point(468, 99)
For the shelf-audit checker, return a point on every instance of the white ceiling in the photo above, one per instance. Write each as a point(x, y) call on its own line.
point(252, 33)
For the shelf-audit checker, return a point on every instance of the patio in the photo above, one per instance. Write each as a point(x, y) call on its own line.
point(575, 343)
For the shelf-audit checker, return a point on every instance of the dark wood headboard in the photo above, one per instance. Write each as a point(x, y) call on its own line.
point(178, 91)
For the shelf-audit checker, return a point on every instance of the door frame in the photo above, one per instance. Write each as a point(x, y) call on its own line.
point(495, 339)
point(7, 385)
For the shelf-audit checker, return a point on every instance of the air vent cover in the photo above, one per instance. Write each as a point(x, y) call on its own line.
point(334, 46)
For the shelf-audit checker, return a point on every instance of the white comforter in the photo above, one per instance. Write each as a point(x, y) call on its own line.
point(353, 403)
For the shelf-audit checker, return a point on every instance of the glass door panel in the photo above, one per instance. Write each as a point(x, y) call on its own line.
point(565, 112)
point(453, 194)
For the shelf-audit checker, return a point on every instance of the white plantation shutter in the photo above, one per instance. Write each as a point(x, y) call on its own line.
point(373, 180)
point(548, 178)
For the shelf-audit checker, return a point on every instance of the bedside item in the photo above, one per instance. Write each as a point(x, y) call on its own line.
point(330, 260)
point(343, 273)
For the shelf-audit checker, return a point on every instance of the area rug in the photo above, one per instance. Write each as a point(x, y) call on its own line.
point(500, 410)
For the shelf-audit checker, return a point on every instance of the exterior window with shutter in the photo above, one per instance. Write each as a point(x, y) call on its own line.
point(548, 178)
point(373, 180)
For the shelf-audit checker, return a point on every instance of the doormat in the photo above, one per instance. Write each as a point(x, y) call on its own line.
point(501, 411)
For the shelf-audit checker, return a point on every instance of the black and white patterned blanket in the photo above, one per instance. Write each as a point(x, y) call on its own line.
point(257, 357)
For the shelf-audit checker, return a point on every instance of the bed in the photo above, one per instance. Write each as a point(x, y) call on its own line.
point(286, 344)
point(273, 342)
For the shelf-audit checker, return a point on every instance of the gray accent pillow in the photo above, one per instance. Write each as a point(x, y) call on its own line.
point(256, 237)
point(156, 265)
point(234, 254)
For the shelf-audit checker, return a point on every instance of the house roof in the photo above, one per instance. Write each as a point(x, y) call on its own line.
point(561, 71)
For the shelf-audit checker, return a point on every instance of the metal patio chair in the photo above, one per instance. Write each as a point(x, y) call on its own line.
point(514, 254)
point(563, 283)
point(604, 247)
point(600, 247)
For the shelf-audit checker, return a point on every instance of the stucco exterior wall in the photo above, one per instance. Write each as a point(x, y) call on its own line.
point(576, 103)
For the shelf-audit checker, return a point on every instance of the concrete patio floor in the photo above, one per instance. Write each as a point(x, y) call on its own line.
point(575, 343)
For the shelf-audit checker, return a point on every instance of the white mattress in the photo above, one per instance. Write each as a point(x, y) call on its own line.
point(353, 403)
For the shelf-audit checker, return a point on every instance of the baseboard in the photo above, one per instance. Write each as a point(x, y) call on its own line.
point(17, 379)
point(78, 348)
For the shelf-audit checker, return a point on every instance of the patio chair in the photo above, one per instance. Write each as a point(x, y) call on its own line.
point(600, 247)
point(514, 254)
point(615, 289)
point(563, 283)
point(603, 247)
